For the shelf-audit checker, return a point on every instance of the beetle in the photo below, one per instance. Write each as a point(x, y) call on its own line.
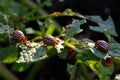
point(19, 35)
point(102, 46)
point(49, 40)
point(107, 62)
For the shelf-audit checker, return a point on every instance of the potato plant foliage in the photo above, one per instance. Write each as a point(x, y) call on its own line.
point(63, 44)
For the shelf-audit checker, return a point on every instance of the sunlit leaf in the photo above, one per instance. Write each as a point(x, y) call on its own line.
point(50, 25)
point(67, 12)
point(102, 72)
point(116, 60)
point(108, 24)
point(9, 54)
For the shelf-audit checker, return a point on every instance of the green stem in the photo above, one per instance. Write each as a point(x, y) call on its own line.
point(4, 73)
point(71, 46)
point(51, 16)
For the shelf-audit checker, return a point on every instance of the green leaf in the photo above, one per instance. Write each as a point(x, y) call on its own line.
point(51, 51)
point(63, 54)
point(42, 27)
point(107, 34)
point(102, 72)
point(103, 25)
point(106, 70)
point(116, 60)
point(114, 48)
point(50, 25)
point(67, 12)
point(85, 55)
point(29, 30)
point(74, 28)
point(98, 53)
point(9, 54)
point(21, 66)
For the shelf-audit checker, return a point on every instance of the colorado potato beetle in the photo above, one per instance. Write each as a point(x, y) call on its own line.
point(107, 62)
point(49, 40)
point(71, 53)
point(19, 35)
point(102, 46)
point(71, 56)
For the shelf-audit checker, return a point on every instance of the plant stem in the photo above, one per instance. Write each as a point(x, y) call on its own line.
point(4, 73)
point(71, 46)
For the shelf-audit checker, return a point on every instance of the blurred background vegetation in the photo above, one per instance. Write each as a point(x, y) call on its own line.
point(25, 14)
